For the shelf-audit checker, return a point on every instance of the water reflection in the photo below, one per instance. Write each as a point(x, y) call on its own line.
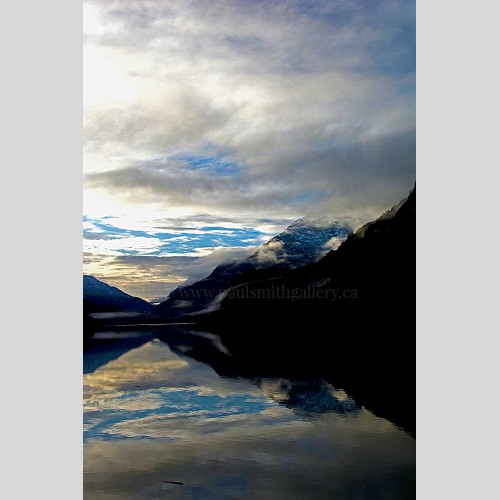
point(155, 413)
point(307, 397)
point(106, 346)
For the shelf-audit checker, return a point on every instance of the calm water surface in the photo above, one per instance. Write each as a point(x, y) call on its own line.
point(153, 414)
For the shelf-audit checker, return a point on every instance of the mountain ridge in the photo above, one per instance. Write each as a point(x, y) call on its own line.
point(301, 243)
point(99, 296)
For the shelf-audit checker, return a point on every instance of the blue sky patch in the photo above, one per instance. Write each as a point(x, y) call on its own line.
point(174, 243)
point(212, 164)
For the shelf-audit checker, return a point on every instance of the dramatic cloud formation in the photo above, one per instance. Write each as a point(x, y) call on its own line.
point(197, 112)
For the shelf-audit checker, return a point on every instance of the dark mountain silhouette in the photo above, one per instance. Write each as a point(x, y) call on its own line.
point(303, 242)
point(353, 312)
point(372, 270)
point(101, 297)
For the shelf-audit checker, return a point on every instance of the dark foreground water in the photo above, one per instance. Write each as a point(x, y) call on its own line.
point(153, 415)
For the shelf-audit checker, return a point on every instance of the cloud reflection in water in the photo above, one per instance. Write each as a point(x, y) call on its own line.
point(151, 417)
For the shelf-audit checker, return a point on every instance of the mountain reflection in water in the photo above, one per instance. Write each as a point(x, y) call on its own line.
point(168, 405)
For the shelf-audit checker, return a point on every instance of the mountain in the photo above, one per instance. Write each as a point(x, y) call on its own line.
point(371, 269)
point(101, 297)
point(351, 315)
point(303, 242)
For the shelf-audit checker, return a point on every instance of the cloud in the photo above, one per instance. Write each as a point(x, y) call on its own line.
point(315, 107)
point(108, 237)
point(271, 253)
point(331, 244)
point(120, 245)
point(153, 277)
point(158, 255)
point(197, 223)
point(245, 111)
point(367, 175)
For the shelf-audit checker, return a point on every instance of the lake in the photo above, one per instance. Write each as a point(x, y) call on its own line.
point(167, 415)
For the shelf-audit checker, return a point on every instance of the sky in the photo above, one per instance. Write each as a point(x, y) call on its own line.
point(211, 126)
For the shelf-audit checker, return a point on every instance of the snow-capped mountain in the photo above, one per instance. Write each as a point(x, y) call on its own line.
point(303, 242)
point(101, 297)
